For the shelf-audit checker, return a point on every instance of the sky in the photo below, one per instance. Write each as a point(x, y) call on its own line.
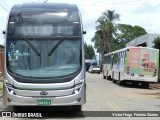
point(144, 13)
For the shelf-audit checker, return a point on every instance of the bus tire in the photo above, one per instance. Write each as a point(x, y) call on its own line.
point(109, 78)
point(144, 84)
point(104, 77)
point(121, 83)
point(17, 108)
point(114, 81)
point(77, 108)
point(134, 83)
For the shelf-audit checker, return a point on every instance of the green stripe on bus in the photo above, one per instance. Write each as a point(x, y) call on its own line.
point(44, 88)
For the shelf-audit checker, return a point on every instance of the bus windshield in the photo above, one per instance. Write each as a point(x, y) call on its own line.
point(32, 58)
point(44, 42)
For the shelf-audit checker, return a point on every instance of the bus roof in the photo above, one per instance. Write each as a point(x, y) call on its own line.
point(44, 13)
point(44, 6)
point(127, 48)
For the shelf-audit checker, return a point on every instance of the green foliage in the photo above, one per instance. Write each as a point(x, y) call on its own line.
point(96, 39)
point(126, 33)
point(103, 37)
point(110, 36)
point(138, 31)
point(1, 87)
point(89, 51)
point(157, 43)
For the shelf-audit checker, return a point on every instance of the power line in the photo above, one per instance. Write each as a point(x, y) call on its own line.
point(6, 5)
point(113, 3)
point(4, 8)
point(19, 1)
point(13, 1)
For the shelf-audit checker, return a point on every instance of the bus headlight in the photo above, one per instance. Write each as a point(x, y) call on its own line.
point(10, 88)
point(76, 91)
point(78, 86)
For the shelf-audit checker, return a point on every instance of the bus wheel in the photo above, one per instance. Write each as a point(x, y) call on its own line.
point(114, 81)
point(17, 108)
point(145, 84)
point(109, 78)
point(77, 108)
point(122, 83)
point(135, 84)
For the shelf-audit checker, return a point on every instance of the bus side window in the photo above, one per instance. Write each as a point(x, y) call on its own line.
point(124, 56)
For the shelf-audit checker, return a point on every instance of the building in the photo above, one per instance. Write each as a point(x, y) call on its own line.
point(145, 40)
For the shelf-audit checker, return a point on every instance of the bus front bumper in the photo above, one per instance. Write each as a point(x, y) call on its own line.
point(141, 79)
point(74, 99)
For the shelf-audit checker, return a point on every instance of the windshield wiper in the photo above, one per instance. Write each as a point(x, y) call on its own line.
point(30, 45)
point(55, 47)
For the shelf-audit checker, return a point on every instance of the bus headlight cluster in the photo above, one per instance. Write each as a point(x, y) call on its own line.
point(78, 86)
point(10, 88)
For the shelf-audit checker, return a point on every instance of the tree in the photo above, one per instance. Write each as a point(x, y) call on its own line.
point(126, 33)
point(96, 39)
point(89, 51)
point(106, 29)
point(157, 43)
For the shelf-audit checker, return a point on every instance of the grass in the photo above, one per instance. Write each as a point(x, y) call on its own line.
point(1, 83)
point(1, 87)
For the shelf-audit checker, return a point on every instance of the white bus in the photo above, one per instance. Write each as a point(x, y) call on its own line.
point(138, 65)
point(107, 66)
point(44, 56)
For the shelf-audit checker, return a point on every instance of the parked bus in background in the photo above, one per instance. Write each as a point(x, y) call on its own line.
point(107, 66)
point(44, 56)
point(138, 65)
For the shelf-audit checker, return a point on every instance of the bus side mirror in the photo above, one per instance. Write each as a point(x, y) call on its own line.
point(84, 32)
point(4, 32)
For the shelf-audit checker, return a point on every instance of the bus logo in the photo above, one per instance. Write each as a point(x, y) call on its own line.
point(43, 92)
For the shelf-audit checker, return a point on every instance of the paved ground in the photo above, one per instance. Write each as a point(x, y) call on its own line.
point(155, 85)
point(104, 95)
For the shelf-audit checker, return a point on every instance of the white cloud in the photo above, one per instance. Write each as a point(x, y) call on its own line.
point(144, 13)
point(147, 8)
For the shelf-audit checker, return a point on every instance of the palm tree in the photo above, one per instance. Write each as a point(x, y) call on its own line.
point(105, 29)
point(107, 26)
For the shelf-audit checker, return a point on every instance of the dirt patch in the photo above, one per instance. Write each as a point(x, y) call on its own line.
point(155, 85)
point(156, 95)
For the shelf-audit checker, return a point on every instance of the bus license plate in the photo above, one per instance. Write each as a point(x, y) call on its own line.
point(44, 102)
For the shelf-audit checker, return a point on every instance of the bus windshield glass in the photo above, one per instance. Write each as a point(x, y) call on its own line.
point(44, 44)
point(43, 58)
